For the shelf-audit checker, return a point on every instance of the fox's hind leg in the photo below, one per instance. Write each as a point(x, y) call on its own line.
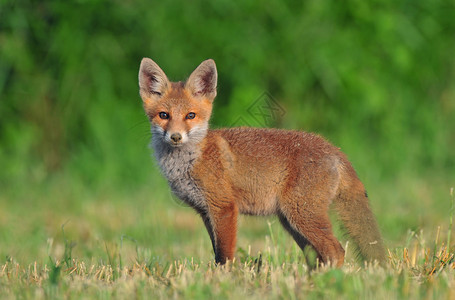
point(304, 211)
point(298, 237)
point(301, 241)
point(314, 228)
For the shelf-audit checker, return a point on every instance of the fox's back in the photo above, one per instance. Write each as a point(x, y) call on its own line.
point(271, 144)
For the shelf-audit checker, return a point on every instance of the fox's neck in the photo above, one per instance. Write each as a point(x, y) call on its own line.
point(176, 162)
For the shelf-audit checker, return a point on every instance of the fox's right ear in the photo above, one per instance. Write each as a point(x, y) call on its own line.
point(153, 83)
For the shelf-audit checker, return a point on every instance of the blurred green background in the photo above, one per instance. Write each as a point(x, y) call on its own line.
point(376, 78)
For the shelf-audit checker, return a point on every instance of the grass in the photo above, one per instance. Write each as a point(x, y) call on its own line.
point(62, 241)
point(415, 272)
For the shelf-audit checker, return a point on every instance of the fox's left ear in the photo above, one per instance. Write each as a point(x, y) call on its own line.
point(202, 82)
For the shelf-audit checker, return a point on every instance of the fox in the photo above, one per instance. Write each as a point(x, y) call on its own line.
point(222, 173)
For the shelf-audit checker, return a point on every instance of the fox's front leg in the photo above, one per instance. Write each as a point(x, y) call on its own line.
point(221, 224)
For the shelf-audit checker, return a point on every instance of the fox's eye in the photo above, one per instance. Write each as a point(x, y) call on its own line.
point(191, 115)
point(164, 115)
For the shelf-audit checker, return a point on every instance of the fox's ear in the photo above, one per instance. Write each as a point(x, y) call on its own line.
point(153, 83)
point(202, 82)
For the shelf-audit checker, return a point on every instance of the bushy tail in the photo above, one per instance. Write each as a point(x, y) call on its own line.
point(358, 220)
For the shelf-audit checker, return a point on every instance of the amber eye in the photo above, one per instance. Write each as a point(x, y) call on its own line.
point(163, 115)
point(191, 115)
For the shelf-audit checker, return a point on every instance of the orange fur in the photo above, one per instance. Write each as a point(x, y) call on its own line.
point(291, 174)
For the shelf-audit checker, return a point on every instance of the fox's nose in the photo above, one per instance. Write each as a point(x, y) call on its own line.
point(176, 137)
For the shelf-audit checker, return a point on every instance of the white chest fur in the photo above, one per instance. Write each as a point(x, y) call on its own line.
point(176, 165)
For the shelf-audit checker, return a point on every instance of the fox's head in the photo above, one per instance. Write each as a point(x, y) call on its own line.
point(178, 111)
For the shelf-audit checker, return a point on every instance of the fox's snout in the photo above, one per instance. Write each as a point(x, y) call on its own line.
point(176, 137)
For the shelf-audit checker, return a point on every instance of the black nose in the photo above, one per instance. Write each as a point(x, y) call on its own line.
point(176, 137)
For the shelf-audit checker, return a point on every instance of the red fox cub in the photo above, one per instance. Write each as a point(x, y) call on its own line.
point(256, 171)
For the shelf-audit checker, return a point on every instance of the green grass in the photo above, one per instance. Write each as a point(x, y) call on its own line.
point(62, 240)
